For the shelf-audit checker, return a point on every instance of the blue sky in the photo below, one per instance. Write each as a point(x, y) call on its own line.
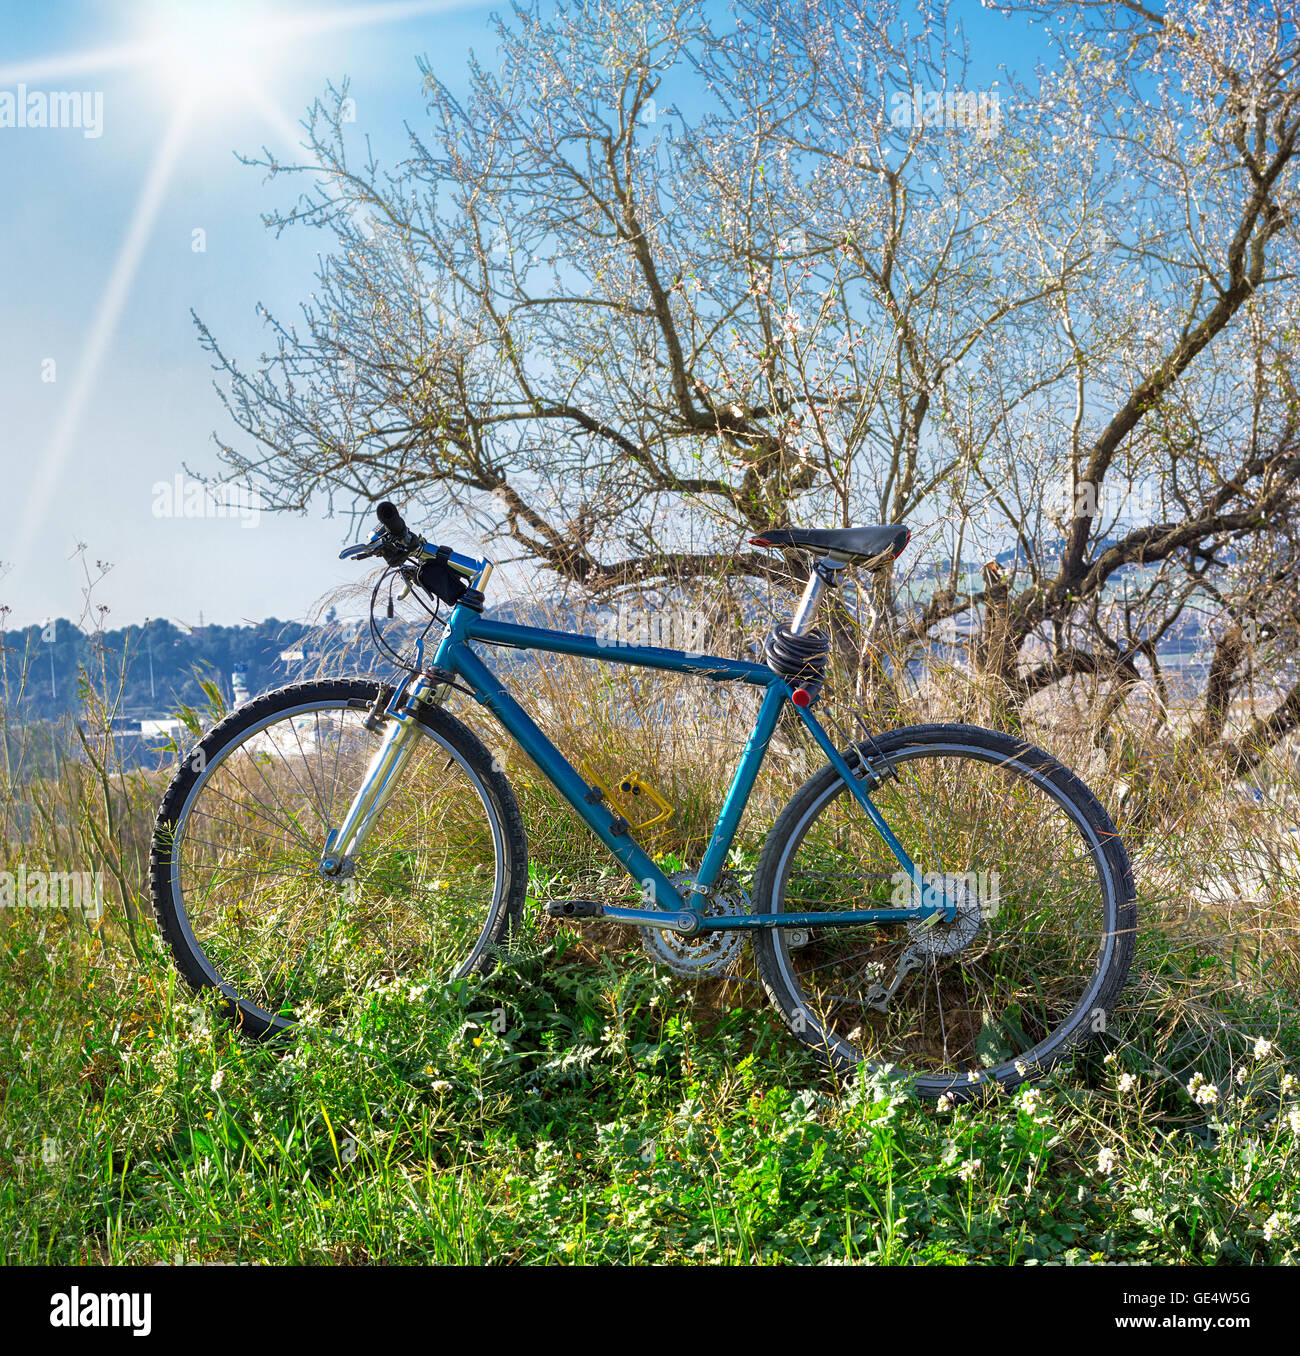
point(66, 219)
point(104, 391)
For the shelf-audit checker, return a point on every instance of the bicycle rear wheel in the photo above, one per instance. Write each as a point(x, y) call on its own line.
point(235, 865)
point(1040, 948)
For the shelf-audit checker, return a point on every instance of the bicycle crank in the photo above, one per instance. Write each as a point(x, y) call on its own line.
point(704, 953)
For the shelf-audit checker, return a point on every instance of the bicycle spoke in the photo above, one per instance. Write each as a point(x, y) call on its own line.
point(1027, 889)
point(248, 852)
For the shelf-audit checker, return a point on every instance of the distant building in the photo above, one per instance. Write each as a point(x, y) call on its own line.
point(160, 729)
point(299, 657)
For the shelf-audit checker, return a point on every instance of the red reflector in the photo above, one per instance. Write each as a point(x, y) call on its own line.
point(759, 541)
point(801, 697)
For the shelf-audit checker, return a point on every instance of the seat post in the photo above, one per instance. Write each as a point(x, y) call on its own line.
point(822, 574)
point(806, 613)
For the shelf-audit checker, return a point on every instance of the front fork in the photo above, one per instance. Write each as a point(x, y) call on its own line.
point(386, 768)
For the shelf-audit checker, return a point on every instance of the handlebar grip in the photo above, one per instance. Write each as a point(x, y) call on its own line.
point(391, 520)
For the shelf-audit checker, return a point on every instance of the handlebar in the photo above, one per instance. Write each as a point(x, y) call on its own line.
point(393, 539)
point(397, 544)
point(392, 521)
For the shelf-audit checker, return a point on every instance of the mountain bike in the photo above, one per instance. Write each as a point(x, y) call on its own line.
point(946, 901)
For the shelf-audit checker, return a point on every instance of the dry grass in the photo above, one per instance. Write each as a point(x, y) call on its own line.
point(1217, 863)
point(170, 1137)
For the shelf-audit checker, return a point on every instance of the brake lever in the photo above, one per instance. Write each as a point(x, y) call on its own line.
point(382, 544)
point(364, 550)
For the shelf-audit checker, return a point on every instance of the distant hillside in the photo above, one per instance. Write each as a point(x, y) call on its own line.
point(163, 663)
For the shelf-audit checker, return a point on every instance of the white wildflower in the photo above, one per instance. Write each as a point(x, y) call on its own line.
point(1202, 1092)
point(217, 1079)
point(1127, 1082)
point(969, 1168)
point(1263, 1048)
point(1106, 1161)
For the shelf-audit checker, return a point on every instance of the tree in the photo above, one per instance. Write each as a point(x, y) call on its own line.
point(659, 283)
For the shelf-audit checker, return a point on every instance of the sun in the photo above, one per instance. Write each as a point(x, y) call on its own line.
point(205, 53)
point(205, 49)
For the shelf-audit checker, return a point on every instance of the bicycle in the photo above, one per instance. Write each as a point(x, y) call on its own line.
point(945, 900)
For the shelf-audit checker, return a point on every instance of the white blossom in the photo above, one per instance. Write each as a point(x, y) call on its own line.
point(1203, 1093)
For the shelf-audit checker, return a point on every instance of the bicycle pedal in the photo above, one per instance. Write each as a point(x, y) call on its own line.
point(573, 908)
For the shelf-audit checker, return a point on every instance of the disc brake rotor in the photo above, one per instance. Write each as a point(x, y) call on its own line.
point(707, 953)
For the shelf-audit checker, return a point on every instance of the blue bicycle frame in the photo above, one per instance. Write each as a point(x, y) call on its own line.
point(455, 657)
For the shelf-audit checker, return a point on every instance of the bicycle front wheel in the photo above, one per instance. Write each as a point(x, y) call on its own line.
point(235, 866)
point(1038, 952)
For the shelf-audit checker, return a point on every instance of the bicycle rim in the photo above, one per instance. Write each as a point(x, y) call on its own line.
point(274, 935)
point(999, 993)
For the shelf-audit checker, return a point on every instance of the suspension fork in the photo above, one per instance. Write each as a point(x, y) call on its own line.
point(385, 771)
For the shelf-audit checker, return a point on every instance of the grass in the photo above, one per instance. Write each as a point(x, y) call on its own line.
point(578, 1105)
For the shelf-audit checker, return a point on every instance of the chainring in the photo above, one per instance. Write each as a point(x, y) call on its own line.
point(707, 953)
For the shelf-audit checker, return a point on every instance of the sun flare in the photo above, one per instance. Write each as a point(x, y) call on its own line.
point(204, 49)
point(221, 54)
